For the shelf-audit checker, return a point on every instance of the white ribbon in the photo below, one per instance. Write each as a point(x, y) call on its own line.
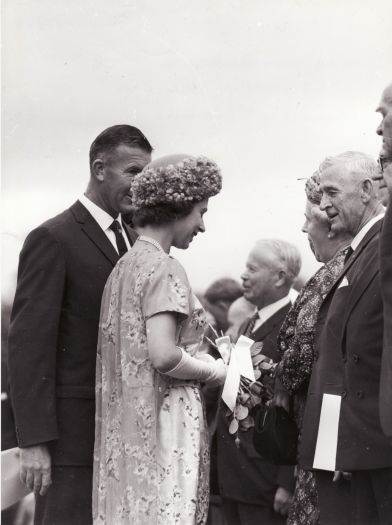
point(240, 365)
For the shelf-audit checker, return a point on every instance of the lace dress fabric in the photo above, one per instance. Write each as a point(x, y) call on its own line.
point(296, 344)
point(151, 457)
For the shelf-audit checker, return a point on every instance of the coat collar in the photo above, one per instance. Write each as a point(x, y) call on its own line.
point(267, 327)
point(366, 271)
point(94, 232)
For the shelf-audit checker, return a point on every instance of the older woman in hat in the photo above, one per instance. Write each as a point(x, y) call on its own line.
point(151, 446)
point(296, 337)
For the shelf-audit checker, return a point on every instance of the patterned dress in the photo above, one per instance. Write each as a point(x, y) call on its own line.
point(151, 458)
point(296, 344)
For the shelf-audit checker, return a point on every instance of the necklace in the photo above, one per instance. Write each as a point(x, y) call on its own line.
point(151, 241)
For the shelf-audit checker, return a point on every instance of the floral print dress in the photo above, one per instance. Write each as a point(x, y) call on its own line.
point(151, 458)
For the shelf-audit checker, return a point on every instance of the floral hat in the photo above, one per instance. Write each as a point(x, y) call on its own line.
point(312, 188)
point(176, 179)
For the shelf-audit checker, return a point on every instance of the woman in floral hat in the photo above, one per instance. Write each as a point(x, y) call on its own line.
point(151, 458)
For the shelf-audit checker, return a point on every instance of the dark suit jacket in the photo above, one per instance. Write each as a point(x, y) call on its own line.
point(243, 476)
point(386, 292)
point(63, 268)
point(348, 360)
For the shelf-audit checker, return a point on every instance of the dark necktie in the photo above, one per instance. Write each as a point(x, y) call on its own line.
point(251, 324)
point(350, 251)
point(121, 246)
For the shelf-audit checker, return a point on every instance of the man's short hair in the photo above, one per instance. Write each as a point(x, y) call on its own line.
point(116, 135)
point(287, 254)
point(354, 162)
point(223, 289)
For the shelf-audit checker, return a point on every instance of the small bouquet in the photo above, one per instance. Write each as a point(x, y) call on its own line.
point(252, 393)
point(249, 393)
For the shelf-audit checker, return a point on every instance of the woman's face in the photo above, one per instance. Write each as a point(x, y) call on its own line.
point(185, 229)
point(317, 228)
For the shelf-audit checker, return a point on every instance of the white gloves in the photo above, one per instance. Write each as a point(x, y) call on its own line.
point(211, 372)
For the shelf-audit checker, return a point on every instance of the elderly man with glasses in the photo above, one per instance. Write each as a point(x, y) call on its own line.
point(385, 178)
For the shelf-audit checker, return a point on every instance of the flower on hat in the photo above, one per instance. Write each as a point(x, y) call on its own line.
point(190, 180)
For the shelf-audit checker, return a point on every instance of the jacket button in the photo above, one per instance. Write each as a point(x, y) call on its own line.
point(356, 358)
point(359, 394)
point(344, 394)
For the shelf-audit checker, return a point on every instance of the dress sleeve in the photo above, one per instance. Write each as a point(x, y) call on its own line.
point(166, 289)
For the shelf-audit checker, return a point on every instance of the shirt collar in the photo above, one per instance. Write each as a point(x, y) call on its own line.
point(363, 231)
point(101, 216)
point(268, 311)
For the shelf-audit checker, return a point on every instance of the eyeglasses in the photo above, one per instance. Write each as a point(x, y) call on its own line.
point(383, 162)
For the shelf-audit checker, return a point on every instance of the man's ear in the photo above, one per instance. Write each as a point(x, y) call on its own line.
point(97, 170)
point(281, 279)
point(367, 190)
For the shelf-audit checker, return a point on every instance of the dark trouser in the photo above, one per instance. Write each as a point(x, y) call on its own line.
point(372, 496)
point(68, 501)
point(237, 513)
point(334, 499)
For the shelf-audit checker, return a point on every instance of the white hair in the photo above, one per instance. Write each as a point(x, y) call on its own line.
point(286, 253)
point(355, 162)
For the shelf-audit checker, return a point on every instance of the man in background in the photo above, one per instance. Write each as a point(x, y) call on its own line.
point(63, 268)
point(253, 490)
point(220, 295)
point(385, 131)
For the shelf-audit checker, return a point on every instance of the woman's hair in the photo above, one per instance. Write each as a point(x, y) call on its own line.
point(168, 188)
point(161, 213)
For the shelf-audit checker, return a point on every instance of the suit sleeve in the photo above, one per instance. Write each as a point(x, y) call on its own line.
point(33, 338)
point(286, 478)
point(386, 292)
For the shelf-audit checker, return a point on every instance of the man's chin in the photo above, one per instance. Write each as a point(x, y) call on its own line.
point(385, 198)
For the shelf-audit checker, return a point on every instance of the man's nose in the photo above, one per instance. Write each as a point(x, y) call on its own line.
point(324, 203)
point(304, 228)
point(380, 128)
point(202, 227)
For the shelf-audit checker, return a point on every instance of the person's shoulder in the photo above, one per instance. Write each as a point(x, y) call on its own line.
point(57, 222)
point(165, 264)
point(52, 233)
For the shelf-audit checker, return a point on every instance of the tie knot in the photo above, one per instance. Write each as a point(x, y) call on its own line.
point(251, 324)
point(115, 226)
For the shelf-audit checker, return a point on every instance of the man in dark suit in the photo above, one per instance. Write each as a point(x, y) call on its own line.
point(253, 490)
point(346, 372)
point(63, 268)
point(385, 130)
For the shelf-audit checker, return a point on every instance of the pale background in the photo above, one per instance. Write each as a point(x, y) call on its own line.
point(267, 88)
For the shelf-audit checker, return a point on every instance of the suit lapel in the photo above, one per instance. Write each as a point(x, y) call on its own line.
point(365, 241)
point(365, 273)
point(94, 232)
point(267, 327)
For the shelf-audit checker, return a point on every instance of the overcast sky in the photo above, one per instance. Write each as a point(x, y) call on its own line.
point(267, 88)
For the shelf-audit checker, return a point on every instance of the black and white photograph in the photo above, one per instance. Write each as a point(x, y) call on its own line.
point(196, 277)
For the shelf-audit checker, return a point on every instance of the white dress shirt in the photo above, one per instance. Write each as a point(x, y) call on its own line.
point(104, 220)
point(363, 231)
point(268, 311)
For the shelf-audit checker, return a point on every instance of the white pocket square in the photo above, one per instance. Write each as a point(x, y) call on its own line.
point(343, 282)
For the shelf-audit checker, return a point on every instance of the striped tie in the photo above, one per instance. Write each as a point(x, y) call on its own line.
point(251, 324)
